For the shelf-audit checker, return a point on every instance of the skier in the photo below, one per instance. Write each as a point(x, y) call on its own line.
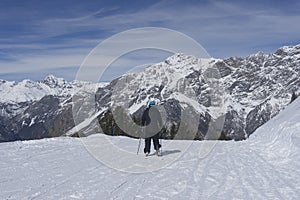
point(152, 120)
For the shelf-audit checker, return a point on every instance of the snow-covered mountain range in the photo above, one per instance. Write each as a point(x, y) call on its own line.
point(39, 109)
point(249, 92)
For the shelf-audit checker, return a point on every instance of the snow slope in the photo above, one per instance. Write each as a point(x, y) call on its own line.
point(266, 166)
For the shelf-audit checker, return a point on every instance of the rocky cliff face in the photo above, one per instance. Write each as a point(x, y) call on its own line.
point(240, 93)
point(252, 89)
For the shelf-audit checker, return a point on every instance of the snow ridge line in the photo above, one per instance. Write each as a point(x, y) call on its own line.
point(85, 123)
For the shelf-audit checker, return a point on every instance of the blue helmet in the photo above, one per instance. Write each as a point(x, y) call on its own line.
point(151, 103)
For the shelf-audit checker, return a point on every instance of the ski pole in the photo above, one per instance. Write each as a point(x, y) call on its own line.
point(161, 145)
point(137, 153)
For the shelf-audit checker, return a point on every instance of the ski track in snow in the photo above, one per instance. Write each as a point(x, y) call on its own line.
point(62, 169)
point(266, 166)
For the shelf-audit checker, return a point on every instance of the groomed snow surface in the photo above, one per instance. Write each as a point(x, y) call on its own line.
point(266, 166)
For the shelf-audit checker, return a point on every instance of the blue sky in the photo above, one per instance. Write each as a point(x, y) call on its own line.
point(53, 37)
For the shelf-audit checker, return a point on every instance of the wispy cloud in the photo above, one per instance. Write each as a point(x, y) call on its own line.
point(47, 40)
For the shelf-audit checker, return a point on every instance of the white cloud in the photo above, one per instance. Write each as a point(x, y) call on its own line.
point(225, 29)
point(221, 22)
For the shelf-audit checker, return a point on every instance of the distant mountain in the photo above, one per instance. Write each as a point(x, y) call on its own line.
point(251, 89)
point(31, 110)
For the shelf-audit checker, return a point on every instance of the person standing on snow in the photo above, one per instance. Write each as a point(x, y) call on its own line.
point(152, 120)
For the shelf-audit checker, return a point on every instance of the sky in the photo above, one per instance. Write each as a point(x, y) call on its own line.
point(38, 38)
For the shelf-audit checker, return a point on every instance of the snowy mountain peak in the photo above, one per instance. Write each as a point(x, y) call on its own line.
point(180, 58)
point(258, 54)
point(288, 50)
point(53, 81)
